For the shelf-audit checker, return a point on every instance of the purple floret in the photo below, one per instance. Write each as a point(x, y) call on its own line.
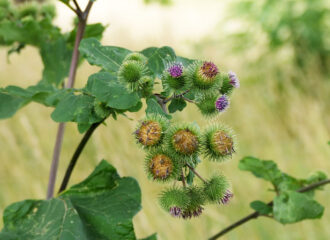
point(222, 103)
point(209, 69)
point(175, 70)
point(228, 195)
point(233, 79)
point(175, 211)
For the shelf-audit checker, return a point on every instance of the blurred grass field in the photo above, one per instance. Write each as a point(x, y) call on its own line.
point(289, 127)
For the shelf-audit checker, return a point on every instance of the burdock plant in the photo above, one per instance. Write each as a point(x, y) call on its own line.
point(161, 83)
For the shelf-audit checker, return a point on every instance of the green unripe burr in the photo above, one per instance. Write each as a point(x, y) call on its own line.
point(216, 188)
point(207, 106)
point(131, 72)
point(135, 56)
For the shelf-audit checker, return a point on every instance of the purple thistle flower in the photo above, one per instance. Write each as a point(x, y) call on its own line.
point(175, 70)
point(175, 211)
point(233, 79)
point(192, 213)
point(222, 103)
point(209, 69)
point(225, 199)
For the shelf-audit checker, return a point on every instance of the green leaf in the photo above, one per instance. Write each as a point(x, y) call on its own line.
point(100, 207)
point(106, 88)
point(158, 58)
point(260, 168)
point(56, 58)
point(107, 57)
point(261, 207)
point(177, 104)
point(75, 108)
point(185, 61)
point(9, 105)
point(92, 31)
point(291, 207)
point(154, 107)
point(190, 177)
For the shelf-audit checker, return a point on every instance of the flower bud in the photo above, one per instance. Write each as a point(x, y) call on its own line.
point(230, 81)
point(217, 190)
point(135, 56)
point(207, 105)
point(204, 76)
point(131, 72)
point(174, 200)
point(173, 78)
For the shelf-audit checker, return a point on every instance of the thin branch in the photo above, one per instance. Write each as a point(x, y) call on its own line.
point(76, 155)
point(87, 9)
point(71, 79)
point(74, 10)
point(161, 102)
point(196, 173)
point(77, 6)
point(256, 214)
point(56, 156)
point(183, 179)
point(176, 96)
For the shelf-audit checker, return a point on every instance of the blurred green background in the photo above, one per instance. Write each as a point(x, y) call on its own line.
point(280, 51)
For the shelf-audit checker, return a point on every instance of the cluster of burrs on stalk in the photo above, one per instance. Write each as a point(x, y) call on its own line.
point(174, 149)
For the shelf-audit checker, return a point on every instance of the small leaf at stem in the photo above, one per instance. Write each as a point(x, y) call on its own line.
point(261, 207)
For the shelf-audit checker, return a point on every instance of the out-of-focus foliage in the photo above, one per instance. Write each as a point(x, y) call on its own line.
point(302, 27)
point(162, 2)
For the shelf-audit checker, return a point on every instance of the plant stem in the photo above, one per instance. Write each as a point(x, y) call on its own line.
point(72, 75)
point(54, 165)
point(76, 155)
point(183, 179)
point(196, 173)
point(256, 214)
point(181, 95)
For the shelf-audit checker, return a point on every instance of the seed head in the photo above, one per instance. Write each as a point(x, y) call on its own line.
point(149, 133)
point(161, 166)
point(185, 141)
point(223, 143)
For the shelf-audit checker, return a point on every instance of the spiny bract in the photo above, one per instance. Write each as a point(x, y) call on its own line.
point(218, 142)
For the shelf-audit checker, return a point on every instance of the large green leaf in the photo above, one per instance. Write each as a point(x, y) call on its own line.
point(75, 108)
point(107, 57)
point(9, 105)
point(99, 208)
point(56, 58)
point(107, 89)
point(267, 170)
point(291, 207)
point(158, 58)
